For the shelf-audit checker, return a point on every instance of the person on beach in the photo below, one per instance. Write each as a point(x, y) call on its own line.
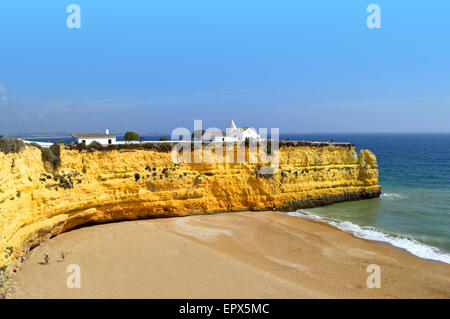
point(46, 259)
point(62, 256)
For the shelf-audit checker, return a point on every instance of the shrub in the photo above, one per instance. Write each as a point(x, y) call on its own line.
point(131, 136)
point(34, 145)
point(268, 145)
point(11, 145)
point(52, 155)
point(111, 147)
point(81, 146)
point(164, 138)
point(159, 147)
point(47, 155)
point(55, 148)
point(148, 145)
point(96, 145)
point(165, 147)
point(65, 180)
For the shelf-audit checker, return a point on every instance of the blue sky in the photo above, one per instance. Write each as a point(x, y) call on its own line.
point(152, 66)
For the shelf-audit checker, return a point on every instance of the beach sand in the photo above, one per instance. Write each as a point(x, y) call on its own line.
point(236, 255)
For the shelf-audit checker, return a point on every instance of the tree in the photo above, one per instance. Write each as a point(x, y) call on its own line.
point(164, 138)
point(131, 136)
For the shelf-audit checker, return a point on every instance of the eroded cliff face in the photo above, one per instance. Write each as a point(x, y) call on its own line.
point(97, 187)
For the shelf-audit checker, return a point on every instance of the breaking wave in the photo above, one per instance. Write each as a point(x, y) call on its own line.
point(392, 196)
point(370, 233)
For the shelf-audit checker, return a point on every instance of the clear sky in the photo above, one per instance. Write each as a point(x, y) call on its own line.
point(151, 66)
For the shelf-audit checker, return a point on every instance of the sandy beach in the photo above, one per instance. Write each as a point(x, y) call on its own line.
point(238, 255)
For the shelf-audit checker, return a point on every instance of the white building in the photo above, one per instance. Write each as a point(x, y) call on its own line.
point(88, 138)
point(233, 134)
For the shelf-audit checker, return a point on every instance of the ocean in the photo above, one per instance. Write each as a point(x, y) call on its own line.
point(413, 212)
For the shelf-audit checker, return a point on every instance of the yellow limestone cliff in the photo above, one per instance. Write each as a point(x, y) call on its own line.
point(104, 186)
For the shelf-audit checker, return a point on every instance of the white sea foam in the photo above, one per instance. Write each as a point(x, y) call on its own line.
point(370, 233)
point(392, 196)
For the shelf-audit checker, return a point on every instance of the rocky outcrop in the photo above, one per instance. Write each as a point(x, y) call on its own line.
point(106, 186)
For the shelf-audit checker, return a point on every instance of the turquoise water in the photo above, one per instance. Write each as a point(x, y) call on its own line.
point(414, 210)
